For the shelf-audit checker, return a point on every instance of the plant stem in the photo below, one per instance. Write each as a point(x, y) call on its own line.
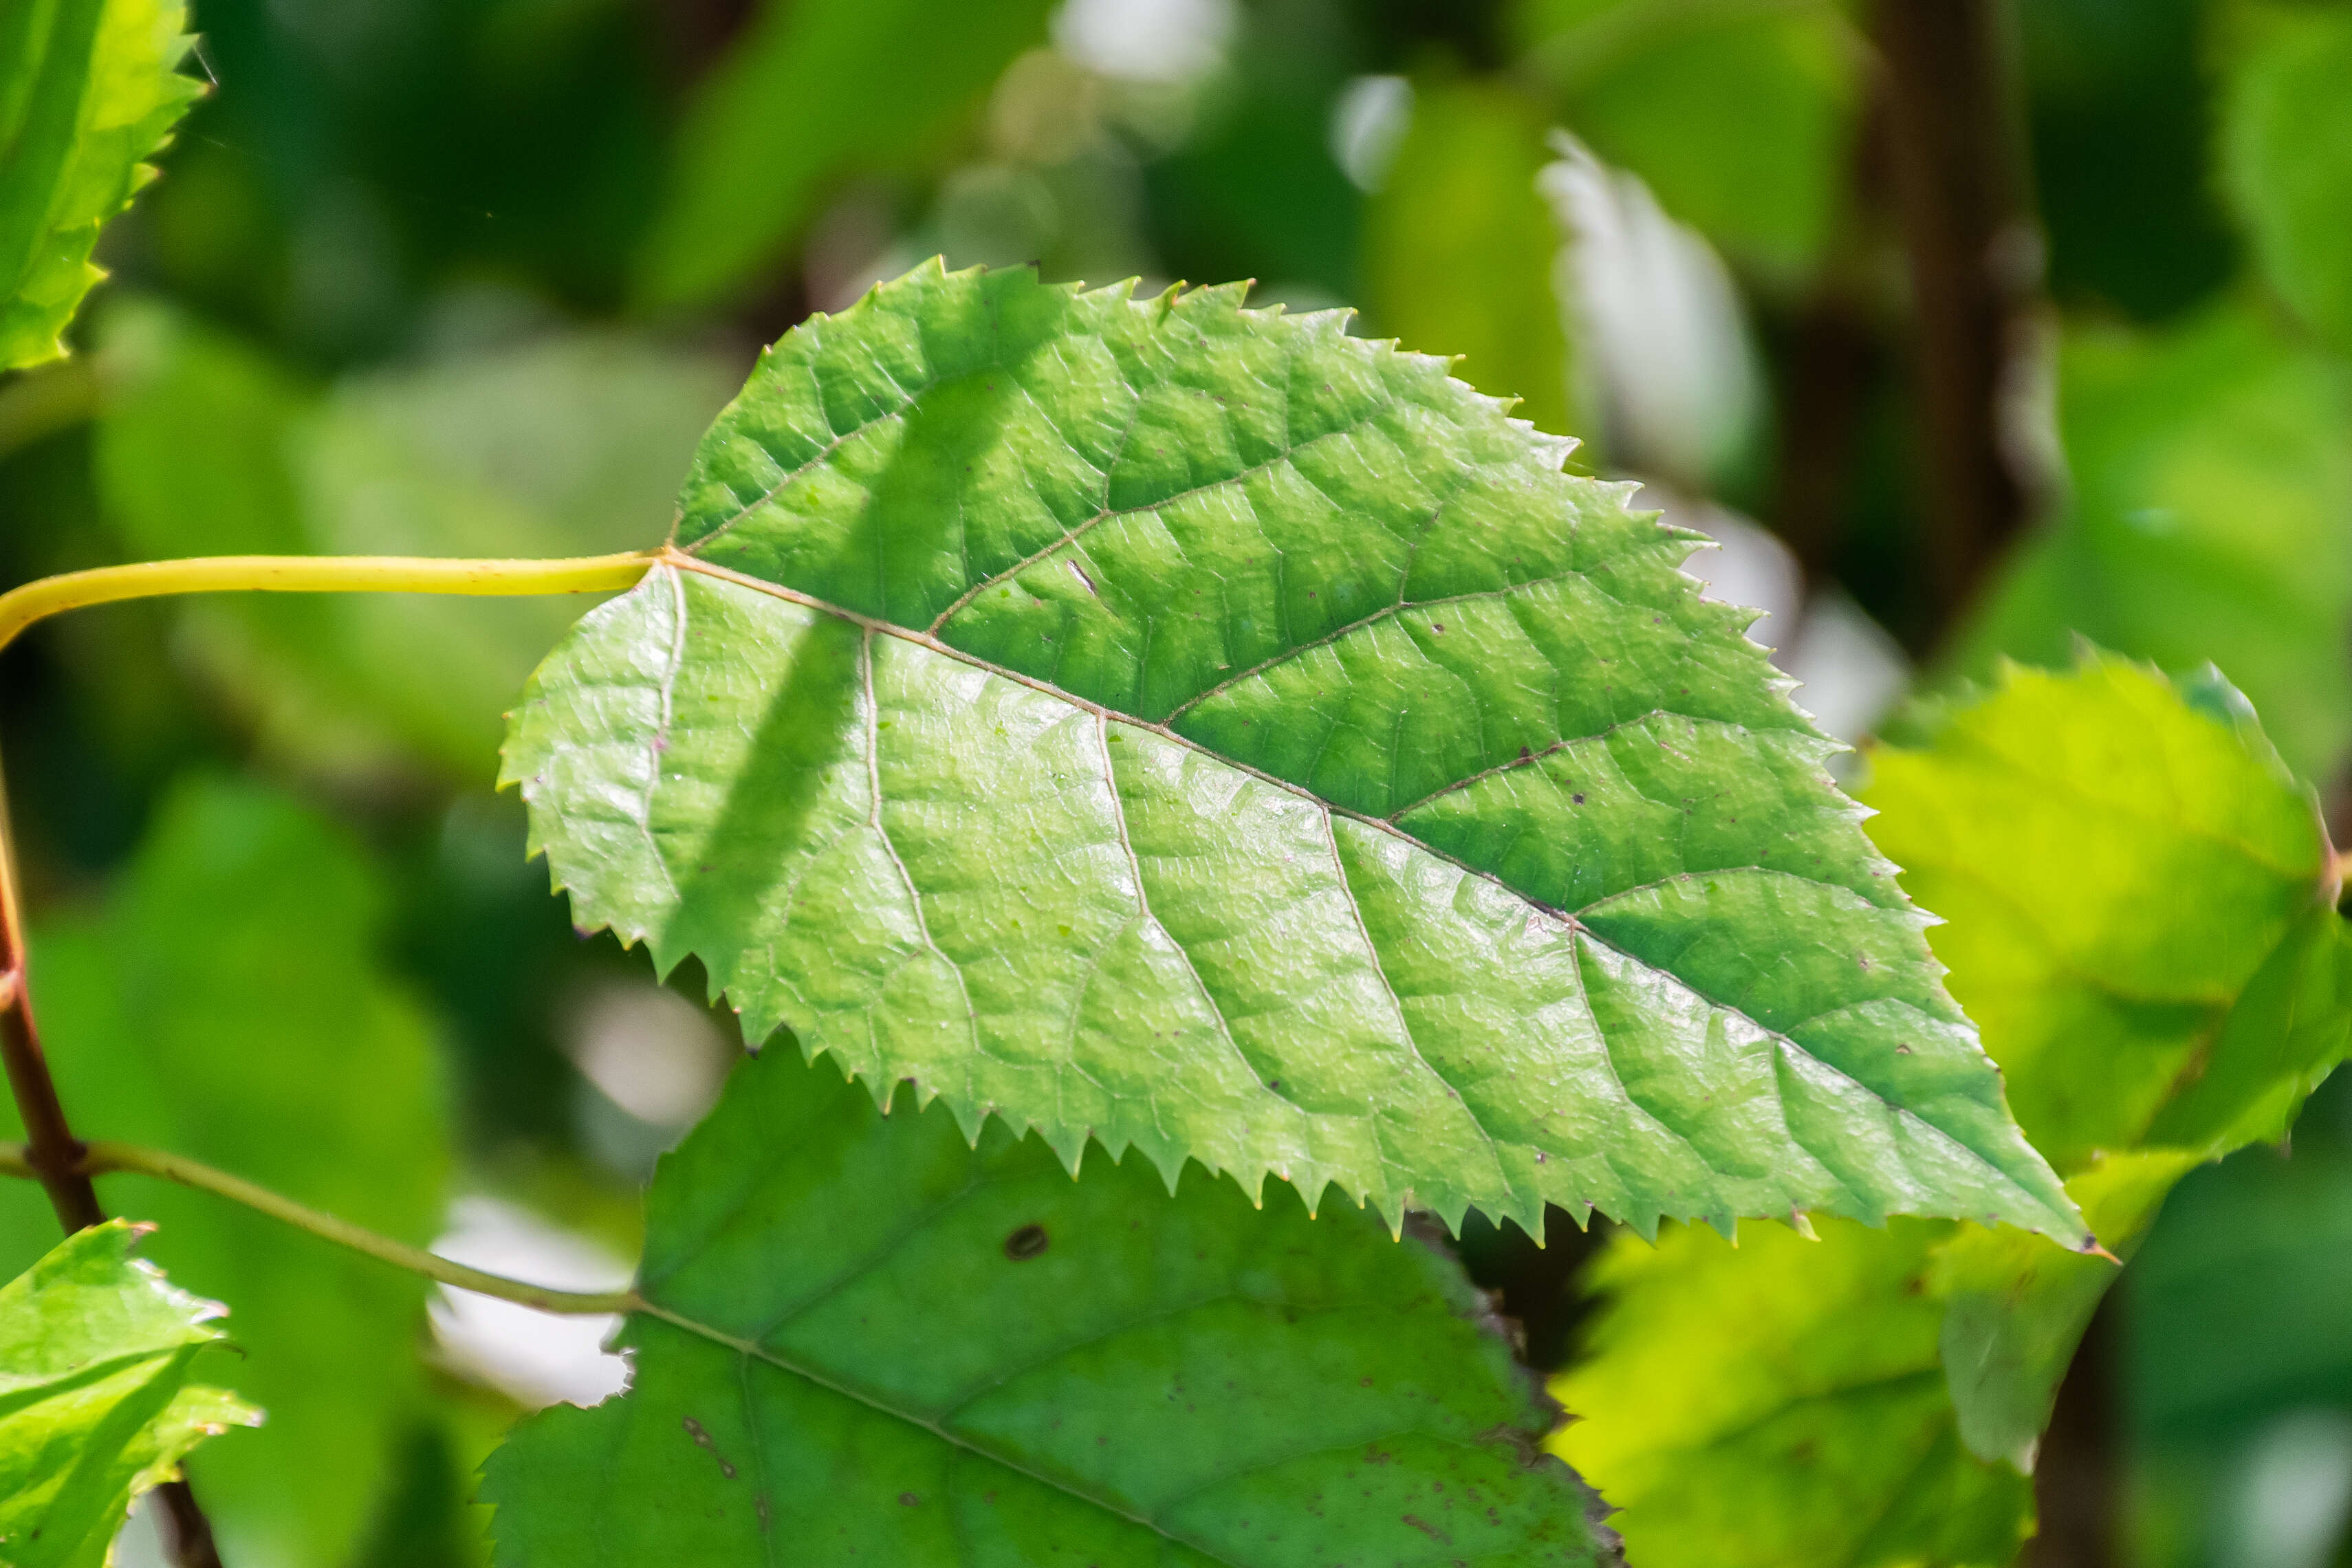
point(52, 1153)
point(101, 1158)
point(20, 607)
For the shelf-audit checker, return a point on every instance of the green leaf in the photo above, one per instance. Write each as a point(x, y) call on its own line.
point(1781, 1401)
point(816, 89)
point(564, 445)
point(2210, 519)
point(2048, 825)
point(868, 1337)
point(2286, 162)
point(2056, 825)
point(1459, 249)
point(227, 1005)
point(1199, 729)
point(2014, 1308)
point(88, 90)
point(97, 1353)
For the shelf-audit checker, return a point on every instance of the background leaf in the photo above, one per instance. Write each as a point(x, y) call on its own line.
point(1459, 247)
point(2287, 160)
point(864, 1330)
point(1739, 116)
point(1880, 1403)
point(1214, 734)
point(813, 90)
point(563, 445)
point(88, 90)
point(227, 1006)
point(96, 1403)
point(2210, 519)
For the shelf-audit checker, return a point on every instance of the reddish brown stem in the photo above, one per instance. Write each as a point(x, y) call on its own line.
point(50, 1147)
point(55, 1156)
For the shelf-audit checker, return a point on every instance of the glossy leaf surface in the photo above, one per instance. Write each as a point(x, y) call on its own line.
point(227, 1004)
point(89, 91)
point(2049, 821)
point(1200, 729)
point(871, 1341)
point(98, 1398)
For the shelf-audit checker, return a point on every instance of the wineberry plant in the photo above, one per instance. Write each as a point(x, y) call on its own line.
point(1191, 808)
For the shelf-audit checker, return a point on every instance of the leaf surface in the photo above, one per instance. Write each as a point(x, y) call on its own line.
point(871, 1341)
point(1200, 729)
point(227, 1004)
point(2055, 824)
point(88, 90)
point(97, 1401)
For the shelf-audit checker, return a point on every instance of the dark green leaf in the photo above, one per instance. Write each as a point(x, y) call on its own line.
point(870, 1340)
point(1198, 729)
point(227, 1005)
point(88, 90)
point(97, 1353)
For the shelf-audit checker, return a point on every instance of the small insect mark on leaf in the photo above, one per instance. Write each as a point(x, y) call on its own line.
point(702, 1440)
point(1027, 1243)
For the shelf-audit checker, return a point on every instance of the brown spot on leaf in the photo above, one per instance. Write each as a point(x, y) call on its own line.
point(1027, 1243)
point(702, 1440)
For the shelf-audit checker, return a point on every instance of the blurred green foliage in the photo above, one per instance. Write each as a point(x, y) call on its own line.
point(226, 1003)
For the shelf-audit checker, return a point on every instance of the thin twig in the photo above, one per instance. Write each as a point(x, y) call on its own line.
point(102, 1158)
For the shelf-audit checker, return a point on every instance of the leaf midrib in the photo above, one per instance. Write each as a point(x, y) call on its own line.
point(676, 559)
point(752, 1351)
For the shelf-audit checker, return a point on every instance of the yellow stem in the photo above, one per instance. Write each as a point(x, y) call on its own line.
point(20, 607)
point(103, 1158)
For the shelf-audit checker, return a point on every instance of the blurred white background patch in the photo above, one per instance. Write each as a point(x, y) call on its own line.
point(1146, 40)
point(1664, 354)
point(1369, 119)
point(537, 1357)
point(653, 1063)
point(1850, 670)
